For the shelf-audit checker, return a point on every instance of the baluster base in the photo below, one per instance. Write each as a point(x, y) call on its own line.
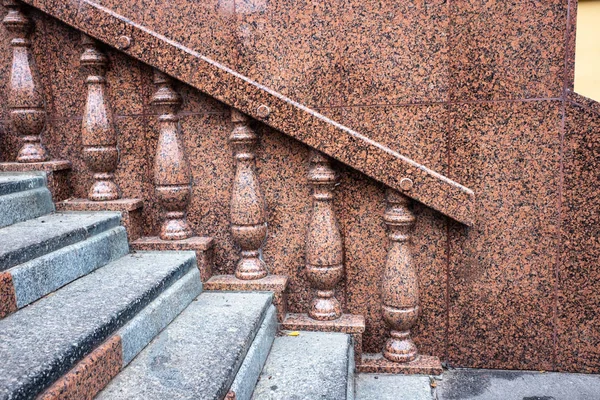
point(175, 228)
point(250, 266)
point(325, 307)
point(104, 188)
point(32, 152)
point(378, 364)
point(400, 347)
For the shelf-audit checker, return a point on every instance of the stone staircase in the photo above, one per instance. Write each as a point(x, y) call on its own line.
point(95, 305)
point(89, 317)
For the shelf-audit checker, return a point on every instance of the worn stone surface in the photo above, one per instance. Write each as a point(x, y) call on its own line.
point(21, 206)
point(95, 370)
point(36, 237)
point(57, 172)
point(198, 354)
point(41, 342)
point(138, 332)
point(203, 246)
point(516, 385)
point(393, 387)
point(20, 181)
point(312, 365)
point(44, 274)
point(247, 375)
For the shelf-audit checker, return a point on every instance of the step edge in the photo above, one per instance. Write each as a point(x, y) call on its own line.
point(351, 389)
point(27, 181)
point(42, 206)
point(57, 242)
point(53, 370)
point(254, 361)
point(102, 363)
point(186, 289)
point(22, 286)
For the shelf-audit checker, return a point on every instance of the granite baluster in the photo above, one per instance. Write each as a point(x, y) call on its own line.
point(172, 177)
point(25, 98)
point(399, 285)
point(99, 137)
point(248, 217)
point(324, 247)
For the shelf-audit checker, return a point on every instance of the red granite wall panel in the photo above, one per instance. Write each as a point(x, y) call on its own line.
point(506, 49)
point(502, 270)
point(578, 330)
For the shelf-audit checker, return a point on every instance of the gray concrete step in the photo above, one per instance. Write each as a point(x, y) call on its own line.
point(213, 345)
point(42, 275)
point(30, 239)
point(41, 342)
point(22, 197)
point(312, 365)
point(394, 387)
point(11, 182)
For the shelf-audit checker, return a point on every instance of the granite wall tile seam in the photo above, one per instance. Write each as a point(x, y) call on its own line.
point(570, 37)
point(586, 103)
point(455, 102)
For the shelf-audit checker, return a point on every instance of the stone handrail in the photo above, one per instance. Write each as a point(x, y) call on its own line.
point(293, 119)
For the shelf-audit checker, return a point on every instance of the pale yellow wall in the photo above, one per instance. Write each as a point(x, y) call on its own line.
point(587, 52)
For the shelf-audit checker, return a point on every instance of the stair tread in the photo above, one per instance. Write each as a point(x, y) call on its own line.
point(19, 182)
point(41, 342)
point(198, 354)
point(42, 275)
point(27, 240)
point(312, 365)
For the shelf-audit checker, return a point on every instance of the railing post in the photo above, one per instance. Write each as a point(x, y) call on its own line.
point(324, 248)
point(171, 169)
point(25, 98)
point(399, 286)
point(98, 136)
point(248, 220)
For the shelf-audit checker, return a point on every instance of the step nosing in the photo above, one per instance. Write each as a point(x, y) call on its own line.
point(215, 328)
point(43, 235)
point(42, 275)
point(77, 327)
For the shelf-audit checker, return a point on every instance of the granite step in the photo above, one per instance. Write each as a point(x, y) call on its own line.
point(217, 344)
point(36, 237)
point(25, 283)
point(40, 343)
point(95, 371)
point(311, 365)
point(22, 197)
point(13, 182)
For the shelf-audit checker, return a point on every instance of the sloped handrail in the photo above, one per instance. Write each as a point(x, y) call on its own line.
point(265, 105)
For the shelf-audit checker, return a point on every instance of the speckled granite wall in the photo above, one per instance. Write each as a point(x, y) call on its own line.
point(472, 89)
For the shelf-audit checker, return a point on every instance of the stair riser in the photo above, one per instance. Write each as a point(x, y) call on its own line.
point(43, 275)
point(200, 352)
point(17, 182)
point(51, 244)
point(21, 206)
point(94, 372)
point(248, 374)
